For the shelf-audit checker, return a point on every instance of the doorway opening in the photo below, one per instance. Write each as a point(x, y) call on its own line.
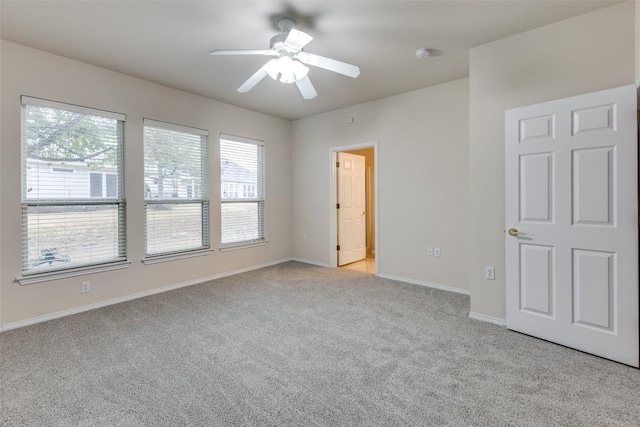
point(353, 203)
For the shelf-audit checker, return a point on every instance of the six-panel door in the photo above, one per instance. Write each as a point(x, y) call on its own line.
point(571, 189)
point(352, 213)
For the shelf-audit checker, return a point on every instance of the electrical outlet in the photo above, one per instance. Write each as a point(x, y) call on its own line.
point(490, 273)
point(436, 252)
point(304, 236)
point(86, 287)
point(430, 251)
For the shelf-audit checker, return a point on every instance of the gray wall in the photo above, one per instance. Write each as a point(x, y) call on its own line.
point(423, 187)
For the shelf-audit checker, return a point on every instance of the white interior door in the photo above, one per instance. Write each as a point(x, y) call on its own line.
point(351, 208)
point(572, 193)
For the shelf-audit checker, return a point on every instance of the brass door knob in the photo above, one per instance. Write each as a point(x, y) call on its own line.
point(514, 232)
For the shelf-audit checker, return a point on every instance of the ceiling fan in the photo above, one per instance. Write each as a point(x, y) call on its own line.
point(289, 60)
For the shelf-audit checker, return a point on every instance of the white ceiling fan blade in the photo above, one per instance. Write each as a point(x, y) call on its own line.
point(297, 39)
point(329, 64)
point(219, 52)
point(306, 88)
point(256, 78)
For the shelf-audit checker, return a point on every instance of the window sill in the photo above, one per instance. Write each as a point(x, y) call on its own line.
point(173, 257)
point(235, 247)
point(73, 272)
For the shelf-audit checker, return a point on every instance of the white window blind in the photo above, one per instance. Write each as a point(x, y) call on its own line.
point(242, 190)
point(65, 223)
point(176, 188)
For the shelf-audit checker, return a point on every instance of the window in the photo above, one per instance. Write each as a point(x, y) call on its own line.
point(96, 187)
point(242, 190)
point(176, 188)
point(112, 184)
point(248, 190)
point(66, 220)
point(95, 184)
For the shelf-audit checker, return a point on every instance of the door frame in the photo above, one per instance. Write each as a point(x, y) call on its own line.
point(333, 216)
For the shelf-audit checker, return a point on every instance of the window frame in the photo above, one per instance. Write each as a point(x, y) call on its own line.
point(203, 200)
point(259, 199)
point(61, 271)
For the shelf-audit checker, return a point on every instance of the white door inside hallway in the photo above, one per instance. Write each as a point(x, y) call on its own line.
point(351, 208)
point(571, 235)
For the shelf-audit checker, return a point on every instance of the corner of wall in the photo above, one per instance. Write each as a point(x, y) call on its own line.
point(637, 41)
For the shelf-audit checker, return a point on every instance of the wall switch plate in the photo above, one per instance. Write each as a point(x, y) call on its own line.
point(436, 252)
point(86, 287)
point(490, 273)
point(430, 251)
point(304, 236)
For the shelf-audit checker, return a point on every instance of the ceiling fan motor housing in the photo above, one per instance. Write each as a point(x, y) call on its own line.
point(286, 24)
point(277, 41)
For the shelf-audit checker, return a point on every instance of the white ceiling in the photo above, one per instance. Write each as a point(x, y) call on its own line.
point(168, 42)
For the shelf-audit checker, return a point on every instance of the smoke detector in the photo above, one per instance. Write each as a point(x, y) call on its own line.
point(423, 52)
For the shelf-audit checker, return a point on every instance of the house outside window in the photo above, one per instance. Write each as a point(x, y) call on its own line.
point(67, 221)
point(242, 191)
point(176, 164)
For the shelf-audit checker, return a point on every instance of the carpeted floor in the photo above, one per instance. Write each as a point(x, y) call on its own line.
point(299, 345)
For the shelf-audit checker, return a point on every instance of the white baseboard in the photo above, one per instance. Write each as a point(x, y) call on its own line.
point(308, 261)
point(427, 284)
point(482, 317)
point(137, 295)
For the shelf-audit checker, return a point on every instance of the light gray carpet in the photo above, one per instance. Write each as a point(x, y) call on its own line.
point(299, 345)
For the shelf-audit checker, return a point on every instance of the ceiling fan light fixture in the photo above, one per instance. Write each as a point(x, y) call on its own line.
point(273, 69)
point(290, 70)
point(287, 76)
point(300, 70)
point(285, 67)
point(290, 62)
